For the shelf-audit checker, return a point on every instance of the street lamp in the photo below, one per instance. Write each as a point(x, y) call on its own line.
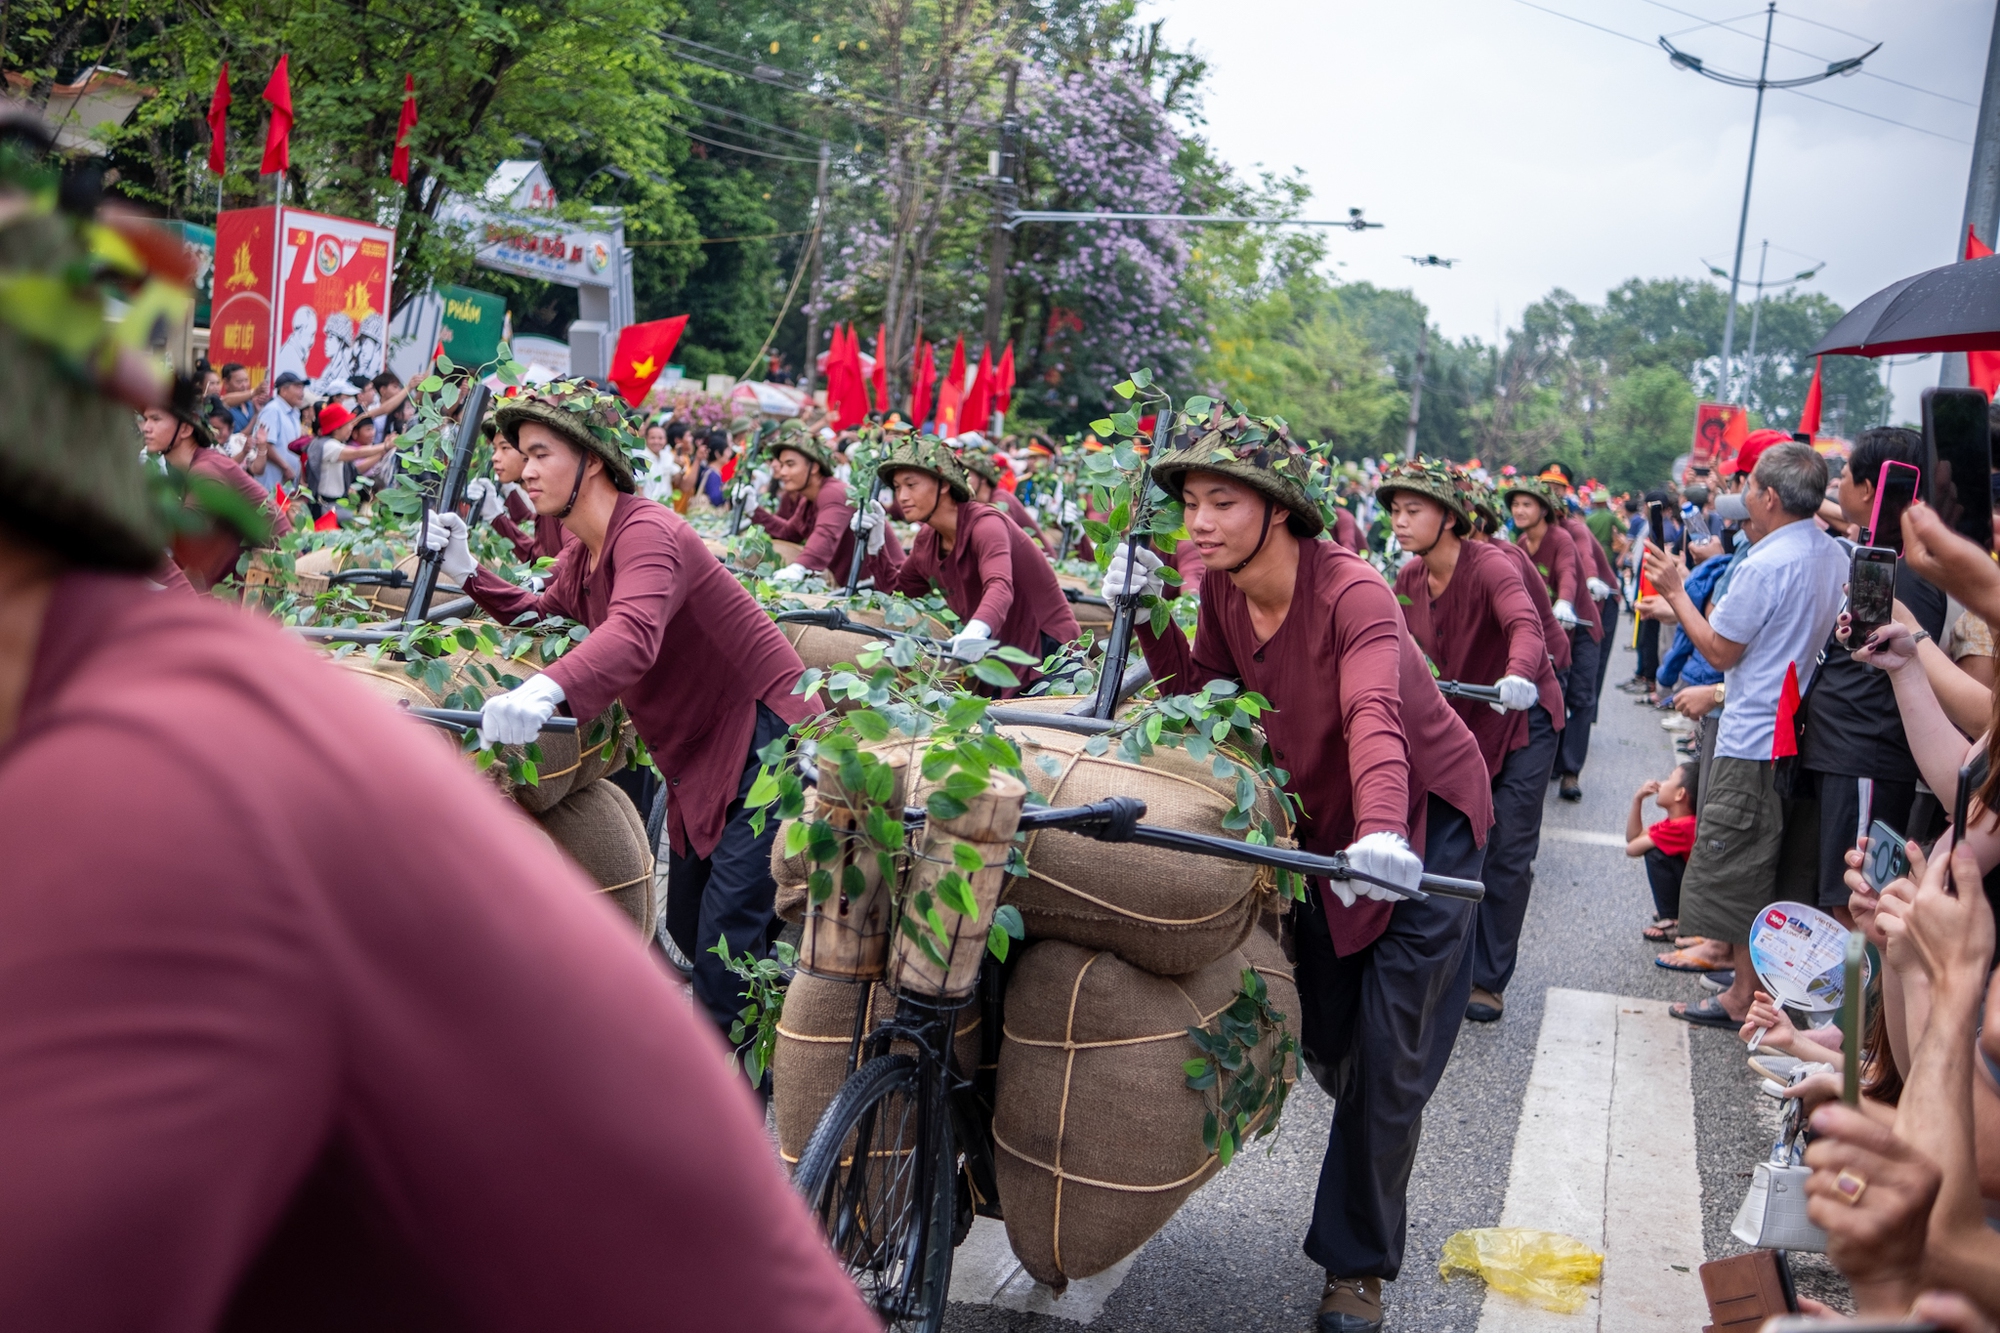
point(1682, 60)
point(1757, 307)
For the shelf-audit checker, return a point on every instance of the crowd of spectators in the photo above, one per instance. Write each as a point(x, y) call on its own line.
point(1795, 736)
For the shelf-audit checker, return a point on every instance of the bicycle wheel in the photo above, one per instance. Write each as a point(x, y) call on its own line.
point(880, 1173)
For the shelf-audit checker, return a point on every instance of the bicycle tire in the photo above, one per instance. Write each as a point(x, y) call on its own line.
point(888, 1211)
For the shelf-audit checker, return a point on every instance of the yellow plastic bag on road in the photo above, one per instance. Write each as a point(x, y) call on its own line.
point(1545, 1267)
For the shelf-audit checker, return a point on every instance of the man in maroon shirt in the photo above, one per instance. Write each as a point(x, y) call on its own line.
point(412, 1081)
point(1383, 769)
point(817, 513)
point(706, 676)
point(984, 476)
point(992, 575)
point(1539, 532)
point(1467, 609)
point(1600, 583)
point(180, 435)
point(502, 503)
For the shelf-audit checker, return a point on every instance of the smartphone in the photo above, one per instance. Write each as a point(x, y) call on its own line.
point(1850, 1019)
point(1895, 488)
point(1871, 592)
point(1656, 521)
point(1960, 811)
point(1958, 445)
point(1885, 860)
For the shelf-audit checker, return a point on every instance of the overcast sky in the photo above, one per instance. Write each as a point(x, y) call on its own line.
point(1540, 152)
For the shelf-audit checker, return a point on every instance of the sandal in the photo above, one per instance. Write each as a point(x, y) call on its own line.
point(1662, 930)
point(1687, 960)
point(1707, 1013)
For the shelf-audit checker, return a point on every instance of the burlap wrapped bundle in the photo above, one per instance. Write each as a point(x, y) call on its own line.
point(790, 871)
point(1088, 615)
point(825, 648)
point(815, 1031)
point(1098, 1136)
point(602, 833)
point(1165, 911)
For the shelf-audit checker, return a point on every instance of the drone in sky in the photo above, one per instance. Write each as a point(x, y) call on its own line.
point(1430, 261)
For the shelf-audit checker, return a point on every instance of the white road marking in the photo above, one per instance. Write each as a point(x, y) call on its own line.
point(984, 1271)
point(1589, 837)
point(1606, 1153)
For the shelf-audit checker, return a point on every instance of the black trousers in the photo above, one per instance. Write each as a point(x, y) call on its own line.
point(1579, 701)
point(1838, 798)
point(1381, 1023)
point(1663, 876)
point(1607, 612)
point(1508, 870)
point(727, 895)
point(1649, 650)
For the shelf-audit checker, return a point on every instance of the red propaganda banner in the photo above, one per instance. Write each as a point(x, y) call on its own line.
point(1719, 431)
point(239, 325)
point(326, 321)
point(333, 320)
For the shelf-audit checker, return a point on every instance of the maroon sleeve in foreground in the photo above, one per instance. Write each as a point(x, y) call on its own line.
point(1368, 638)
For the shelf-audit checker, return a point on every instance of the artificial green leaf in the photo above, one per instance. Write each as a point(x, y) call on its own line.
point(1125, 388)
point(1102, 426)
point(995, 674)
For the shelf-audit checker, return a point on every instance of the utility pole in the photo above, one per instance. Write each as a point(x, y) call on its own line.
point(1982, 188)
point(1682, 60)
point(1006, 195)
point(1417, 388)
point(817, 242)
point(1757, 311)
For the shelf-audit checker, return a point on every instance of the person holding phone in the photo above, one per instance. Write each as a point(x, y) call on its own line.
point(1853, 728)
point(1783, 599)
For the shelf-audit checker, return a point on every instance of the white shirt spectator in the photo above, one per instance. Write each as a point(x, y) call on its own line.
point(658, 483)
point(281, 427)
point(1783, 597)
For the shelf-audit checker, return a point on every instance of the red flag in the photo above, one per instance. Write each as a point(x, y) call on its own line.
point(643, 352)
point(844, 369)
point(1809, 416)
point(1982, 368)
point(923, 379)
point(977, 414)
point(951, 392)
point(882, 368)
point(1785, 735)
point(326, 522)
point(399, 163)
point(1003, 381)
point(218, 123)
point(278, 137)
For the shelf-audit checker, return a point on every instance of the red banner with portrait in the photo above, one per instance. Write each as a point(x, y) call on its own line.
point(327, 320)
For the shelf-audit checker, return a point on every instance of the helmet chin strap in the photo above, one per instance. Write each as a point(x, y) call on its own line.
point(575, 489)
point(1444, 521)
point(1263, 535)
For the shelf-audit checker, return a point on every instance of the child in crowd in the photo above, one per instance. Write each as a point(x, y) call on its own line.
point(1665, 845)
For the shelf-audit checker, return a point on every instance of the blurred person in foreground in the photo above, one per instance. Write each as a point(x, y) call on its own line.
point(1783, 597)
point(423, 1079)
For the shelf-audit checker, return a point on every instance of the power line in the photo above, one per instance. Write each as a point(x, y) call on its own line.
point(751, 120)
point(739, 148)
point(1821, 100)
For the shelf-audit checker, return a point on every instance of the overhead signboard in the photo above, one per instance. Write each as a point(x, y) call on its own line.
point(301, 292)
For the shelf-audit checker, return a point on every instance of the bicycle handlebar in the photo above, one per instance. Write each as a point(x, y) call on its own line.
point(1458, 689)
point(465, 719)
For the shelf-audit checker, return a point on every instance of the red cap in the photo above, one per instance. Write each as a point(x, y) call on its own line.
point(332, 417)
point(1753, 448)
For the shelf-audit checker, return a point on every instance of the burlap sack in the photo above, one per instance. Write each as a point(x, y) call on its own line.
point(602, 833)
point(815, 1032)
point(1088, 614)
point(1167, 912)
point(825, 648)
point(790, 871)
point(1098, 1136)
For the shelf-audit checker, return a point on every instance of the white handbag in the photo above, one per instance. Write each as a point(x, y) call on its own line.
point(1773, 1215)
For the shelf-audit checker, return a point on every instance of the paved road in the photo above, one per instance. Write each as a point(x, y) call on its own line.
point(1230, 1260)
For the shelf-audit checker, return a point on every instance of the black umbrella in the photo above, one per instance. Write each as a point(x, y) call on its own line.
point(1951, 309)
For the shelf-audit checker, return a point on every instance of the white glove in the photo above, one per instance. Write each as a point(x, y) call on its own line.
point(1144, 572)
point(965, 644)
point(512, 488)
point(1599, 589)
point(760, 480)
point(1070, 513)
point(1566, 615)
point(516, 717)
point(1516, 694)
point(445, 533)
point(1385, 856)
point(873, 520)
point(790, 574)
point(485, 499)
point(535, 583)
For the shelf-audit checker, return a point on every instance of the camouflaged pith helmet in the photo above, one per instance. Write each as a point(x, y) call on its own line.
point(1479, 499)
point(979, 464)
point(588, 419)
point(1257, 451)
point(928, 454)
point(797, 437)
point(1432, 480)
point(1523, 486)
point(71, 375)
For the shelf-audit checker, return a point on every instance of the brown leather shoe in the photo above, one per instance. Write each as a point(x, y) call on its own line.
point(1485, 1006)
point(1351, 1305)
